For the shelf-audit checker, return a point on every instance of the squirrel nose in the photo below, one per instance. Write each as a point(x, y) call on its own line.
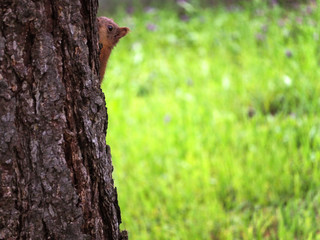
point(122, 32)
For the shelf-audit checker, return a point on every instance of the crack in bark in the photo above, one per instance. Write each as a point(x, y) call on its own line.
point(60, 183)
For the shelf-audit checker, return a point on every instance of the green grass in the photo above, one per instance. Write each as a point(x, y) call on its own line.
point(214, 124)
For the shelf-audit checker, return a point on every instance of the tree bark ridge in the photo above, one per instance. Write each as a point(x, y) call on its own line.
point(56, 171)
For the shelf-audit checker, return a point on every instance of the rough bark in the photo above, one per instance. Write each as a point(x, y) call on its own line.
point(55, 168)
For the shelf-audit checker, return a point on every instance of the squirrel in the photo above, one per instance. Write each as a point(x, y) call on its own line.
point(109, 35)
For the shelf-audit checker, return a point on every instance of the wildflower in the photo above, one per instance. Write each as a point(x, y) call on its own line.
point(151, 27)
point(299, 20)
point(150, 10)
point(130, 10)
point(189, 82)
point(288, 53)
point(274, 3)
point(282, 22)
point(185, 18)
point(167, 118)
point(287, 80)
point(260, 37)
point(264, 28)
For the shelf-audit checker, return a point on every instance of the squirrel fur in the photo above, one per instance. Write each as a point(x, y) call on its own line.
point(109, 35)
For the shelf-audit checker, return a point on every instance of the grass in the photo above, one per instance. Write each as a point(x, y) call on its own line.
point(214, 124)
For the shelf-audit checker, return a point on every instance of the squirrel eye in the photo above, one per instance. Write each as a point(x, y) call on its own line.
point(110, 28)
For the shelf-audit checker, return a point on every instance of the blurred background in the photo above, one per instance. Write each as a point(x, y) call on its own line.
point(214, 118)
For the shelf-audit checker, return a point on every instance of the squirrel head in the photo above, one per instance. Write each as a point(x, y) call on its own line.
point(110, 32)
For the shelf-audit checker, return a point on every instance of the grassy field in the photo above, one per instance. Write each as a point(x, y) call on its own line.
point(214, 124)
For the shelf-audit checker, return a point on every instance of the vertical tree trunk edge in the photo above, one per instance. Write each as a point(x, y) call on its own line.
point(55, 167)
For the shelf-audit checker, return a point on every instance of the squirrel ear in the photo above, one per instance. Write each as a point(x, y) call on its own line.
point(123, 31)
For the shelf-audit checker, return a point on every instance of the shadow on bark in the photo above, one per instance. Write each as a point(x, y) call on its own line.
point(56, 171)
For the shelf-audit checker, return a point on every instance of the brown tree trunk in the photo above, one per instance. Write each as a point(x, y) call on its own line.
point(55, 168)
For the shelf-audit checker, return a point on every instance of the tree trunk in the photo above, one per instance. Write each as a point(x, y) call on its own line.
point(56, 172)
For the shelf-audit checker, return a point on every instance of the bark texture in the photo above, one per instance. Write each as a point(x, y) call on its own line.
point(56, 172)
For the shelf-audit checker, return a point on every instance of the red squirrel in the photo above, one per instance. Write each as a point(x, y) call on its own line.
point(109, 35)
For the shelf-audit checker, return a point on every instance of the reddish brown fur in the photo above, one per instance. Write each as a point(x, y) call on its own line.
point(109, 35)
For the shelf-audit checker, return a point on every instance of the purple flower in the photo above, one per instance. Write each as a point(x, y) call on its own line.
point(181, 1)
point(130, 10)
point(151, 27)
point(167, 118)
point(274, 2)
point(264, 28)
point(288, 53)
point(282, 22)
point(260, 37)
point(309, 10)
point(150, 10)
point(299, 20)
point(185, 18)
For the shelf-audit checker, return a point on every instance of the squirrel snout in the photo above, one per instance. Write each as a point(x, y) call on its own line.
point(122, 32)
